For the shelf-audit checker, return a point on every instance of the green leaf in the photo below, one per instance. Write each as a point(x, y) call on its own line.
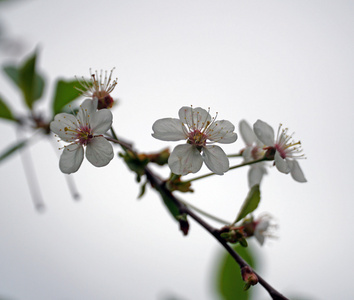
point(12, 149)
point(26, 78)
point(30, 83)
point(171, 206)
point(229, 280)
point(5, 112)
point(175, 212)
point(251, 202)
point(65, 92)
point(142, 190)
point(39, 87)
point(13, 74)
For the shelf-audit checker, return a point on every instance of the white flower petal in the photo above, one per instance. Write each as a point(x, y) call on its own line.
point(87, 108)
point(296, 172)
point(185, 159)
point(281, 164)
point(264, 133)
point(195, 118)
point(247, 133)
point(260, 230)
point(99, 152)
point(71, 158)
point(62, 121)
point(255, 174)
point(259, 237)
point(215, 159)
point(169, 129)
point(263, 225)
point(222, 132)
point(247, 154)
point(101, 121)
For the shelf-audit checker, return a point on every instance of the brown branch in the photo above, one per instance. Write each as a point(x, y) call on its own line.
point(159, 185)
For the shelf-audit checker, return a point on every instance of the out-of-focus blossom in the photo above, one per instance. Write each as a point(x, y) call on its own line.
point(253, 151)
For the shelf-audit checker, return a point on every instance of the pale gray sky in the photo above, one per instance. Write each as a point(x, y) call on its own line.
point(287, 62)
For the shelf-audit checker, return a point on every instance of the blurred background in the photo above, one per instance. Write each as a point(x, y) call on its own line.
point(287, 62)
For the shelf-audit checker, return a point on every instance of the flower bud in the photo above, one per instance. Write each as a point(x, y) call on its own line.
point(105, 102)
point(249, 277)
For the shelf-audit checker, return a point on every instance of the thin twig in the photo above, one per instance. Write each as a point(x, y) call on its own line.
point(231, 168)
point(159, 185)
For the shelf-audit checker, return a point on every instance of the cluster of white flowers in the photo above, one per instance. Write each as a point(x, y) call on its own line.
point(87, 128)
point(194, 125)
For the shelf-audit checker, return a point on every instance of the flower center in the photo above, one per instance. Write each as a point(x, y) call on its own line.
point(286, 146)
point(83, 134)
point(197, 138)
point(257, 152)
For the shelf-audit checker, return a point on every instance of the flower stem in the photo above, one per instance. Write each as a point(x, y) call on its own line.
point(234, 155)
point(204, 213)
point(248, 163)
point(231, 168)
point(125, 145)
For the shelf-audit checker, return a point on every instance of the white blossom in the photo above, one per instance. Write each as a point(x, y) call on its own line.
point(263, 228)
point(253, 151)
point(85, 129)
point(286, 150)
point(196, 126)
point(98, 89)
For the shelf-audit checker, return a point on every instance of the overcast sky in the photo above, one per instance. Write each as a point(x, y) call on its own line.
point(288, 62)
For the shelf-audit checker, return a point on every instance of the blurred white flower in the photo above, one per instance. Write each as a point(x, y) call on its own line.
point(286, 150)
point(253, 151)
point(263, 228)
point(86, 129)
point(200, 130)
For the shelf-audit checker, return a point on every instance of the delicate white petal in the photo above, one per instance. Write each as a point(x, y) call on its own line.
point(261, 228)
point(62, 121)
point(185, 159)
point(259, 237)
point(215, 159)
point(281, 164)
point(99, 152)
point(71, 158)
point(264, 133)
point(101, 121)
point(169, 129)
point(89, 105)
point(222, 132)
point(255, 174)
point(296, 171)
point(263, 225)
point(247, 133)
point(247, 154)
point(87, 108)
point(196, 118)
